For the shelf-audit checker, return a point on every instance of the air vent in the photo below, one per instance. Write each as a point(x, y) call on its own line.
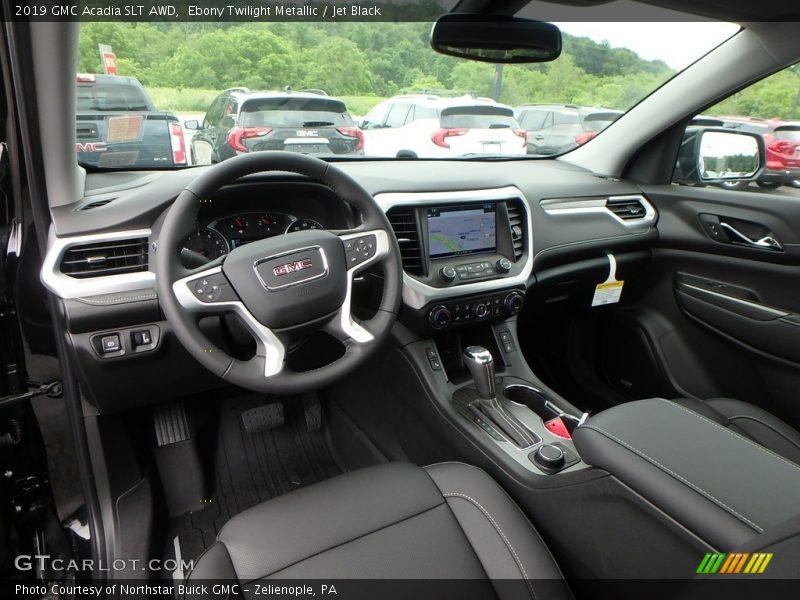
point(627, 209)
point(105, 258)
point(515, 217)
point(96, 204)
point(404, 224)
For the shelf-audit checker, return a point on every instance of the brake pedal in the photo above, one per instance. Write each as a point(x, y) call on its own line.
point(312, 408)
point(261, 418)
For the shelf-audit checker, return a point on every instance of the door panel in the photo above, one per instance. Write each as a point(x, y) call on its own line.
point(723, 314)
point(754, 325)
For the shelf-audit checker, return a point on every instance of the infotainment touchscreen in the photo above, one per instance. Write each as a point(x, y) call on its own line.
point(454, 230)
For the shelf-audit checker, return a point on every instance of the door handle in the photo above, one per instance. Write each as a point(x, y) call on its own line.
point(767, 242)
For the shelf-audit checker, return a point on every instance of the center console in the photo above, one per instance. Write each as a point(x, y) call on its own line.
point(467, 255)
point(653, 485)
point(467, 262)
point(714, 482)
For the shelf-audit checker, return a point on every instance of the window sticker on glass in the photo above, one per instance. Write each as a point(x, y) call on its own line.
point(126, 128)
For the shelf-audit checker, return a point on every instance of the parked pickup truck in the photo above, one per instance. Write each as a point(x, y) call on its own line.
point(117, 125)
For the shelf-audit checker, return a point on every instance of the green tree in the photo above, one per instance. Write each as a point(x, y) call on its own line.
point(338, 66)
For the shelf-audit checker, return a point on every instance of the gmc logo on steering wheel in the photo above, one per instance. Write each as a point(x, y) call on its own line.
point(292, 267)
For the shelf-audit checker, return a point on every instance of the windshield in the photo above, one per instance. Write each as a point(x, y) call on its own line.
point(791, 134)
point(294, 112)
point(478, 117)
point(106, 97)
point(203, 92)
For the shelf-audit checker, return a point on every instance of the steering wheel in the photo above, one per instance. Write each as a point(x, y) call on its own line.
point(281, 286)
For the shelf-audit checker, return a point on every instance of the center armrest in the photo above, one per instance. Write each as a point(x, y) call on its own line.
point(718, 484)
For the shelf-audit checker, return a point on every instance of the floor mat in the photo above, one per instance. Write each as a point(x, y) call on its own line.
point(253, 467)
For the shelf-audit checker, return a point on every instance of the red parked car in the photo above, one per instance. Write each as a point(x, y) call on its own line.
point(782, 141)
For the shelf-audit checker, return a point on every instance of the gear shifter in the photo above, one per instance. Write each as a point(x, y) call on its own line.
point(480, 363)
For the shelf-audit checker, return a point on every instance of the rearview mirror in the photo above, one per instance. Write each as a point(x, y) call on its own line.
point(192, 124)
point(496, 39)
point(712, 155)
point(228, 122)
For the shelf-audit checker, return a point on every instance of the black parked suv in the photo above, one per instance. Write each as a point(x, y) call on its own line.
point(309, 122)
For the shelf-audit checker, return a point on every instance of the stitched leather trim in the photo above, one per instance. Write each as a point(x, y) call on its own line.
point(683, 480)
point(733, 433)
point(344, 543)
point(768, 426)
point(500, 532)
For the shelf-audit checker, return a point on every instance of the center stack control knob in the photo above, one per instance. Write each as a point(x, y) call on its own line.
point(480, 310)
point(549, 456)
point(447, 274)
point(439, 317)
point(503, 265)
point(513, 303)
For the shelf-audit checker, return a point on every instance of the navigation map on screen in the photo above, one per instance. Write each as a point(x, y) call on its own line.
point(461, 230)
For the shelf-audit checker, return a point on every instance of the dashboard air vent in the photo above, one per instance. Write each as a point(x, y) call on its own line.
point(96, 204)
point(404, 223)
point(627, 209)
point(105, 258)
point(515, 217)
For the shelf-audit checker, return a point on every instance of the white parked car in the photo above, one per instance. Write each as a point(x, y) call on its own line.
point(429, 126)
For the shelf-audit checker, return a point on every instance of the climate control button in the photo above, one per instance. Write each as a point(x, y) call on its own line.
point(440, 317)
point(481, 310)
point(514, 303)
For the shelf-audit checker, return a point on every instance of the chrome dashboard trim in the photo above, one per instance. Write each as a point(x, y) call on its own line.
point(587, 206)
point(70, 288)
point(417, 294)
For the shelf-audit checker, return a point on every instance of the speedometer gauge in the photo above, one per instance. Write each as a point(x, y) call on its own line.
point(303, 225)
point(207, 242)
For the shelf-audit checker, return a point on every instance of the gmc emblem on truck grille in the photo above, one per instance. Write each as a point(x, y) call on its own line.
point(292, 267)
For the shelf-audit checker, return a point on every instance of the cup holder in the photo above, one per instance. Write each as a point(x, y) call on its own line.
point(536, 401)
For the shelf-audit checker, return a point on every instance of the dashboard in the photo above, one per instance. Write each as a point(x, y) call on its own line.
point(477, 239)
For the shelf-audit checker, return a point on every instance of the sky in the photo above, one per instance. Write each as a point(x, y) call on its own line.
point(677, 44)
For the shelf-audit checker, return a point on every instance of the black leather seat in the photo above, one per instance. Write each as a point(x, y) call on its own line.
point(394, 521)
point(750, 421)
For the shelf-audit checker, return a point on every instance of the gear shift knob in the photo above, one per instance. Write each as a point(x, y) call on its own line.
point(480, 363)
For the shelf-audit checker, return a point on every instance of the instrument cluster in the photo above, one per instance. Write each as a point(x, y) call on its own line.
point(222, 235)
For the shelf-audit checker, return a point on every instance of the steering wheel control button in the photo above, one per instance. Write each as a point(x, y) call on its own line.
point(359, 250)
point(212, 288)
